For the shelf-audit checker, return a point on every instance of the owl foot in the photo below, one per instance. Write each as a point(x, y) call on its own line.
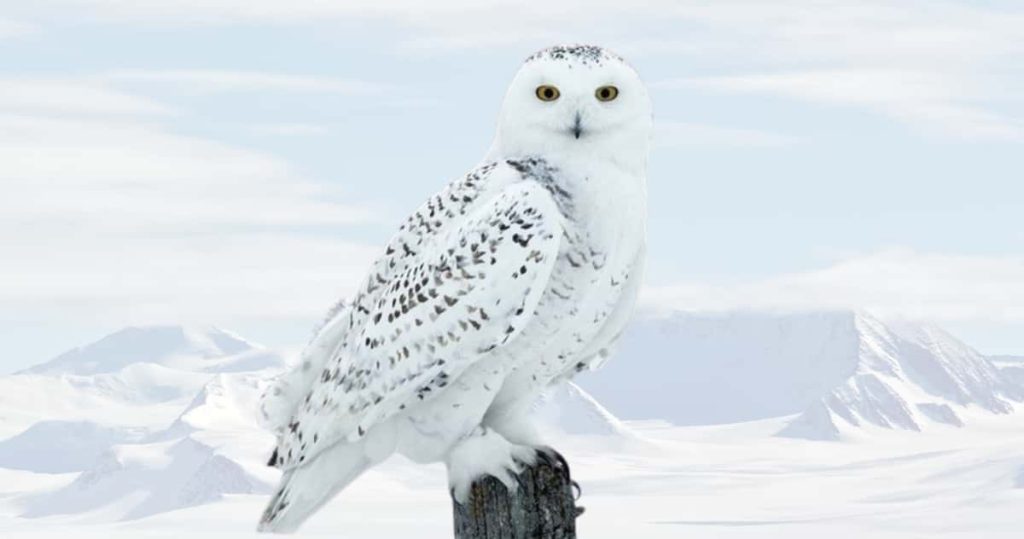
point(486, 453)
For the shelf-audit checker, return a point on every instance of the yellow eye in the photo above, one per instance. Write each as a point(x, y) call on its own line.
point(606, 93)
point(546, 92)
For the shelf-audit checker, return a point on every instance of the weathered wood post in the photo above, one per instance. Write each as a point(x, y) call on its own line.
point(543, 507)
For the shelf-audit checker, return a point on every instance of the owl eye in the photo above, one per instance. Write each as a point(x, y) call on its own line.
point(546, 92)
point(606, 93)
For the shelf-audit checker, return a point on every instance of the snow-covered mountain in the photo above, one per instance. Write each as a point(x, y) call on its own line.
point(832, 371)
point(144, 395)
point(212, 449)
point(154, 418)
point(137, 480)
point(908, 374)
point(62, 446)
point(139, 395)
point(570, 410)
point(1012, 367)
point(139, 376)
point(172, 346)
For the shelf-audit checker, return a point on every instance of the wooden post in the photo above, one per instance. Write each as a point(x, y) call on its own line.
point(543, 507)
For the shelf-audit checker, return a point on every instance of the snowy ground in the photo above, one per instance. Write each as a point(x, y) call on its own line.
point(669, 482)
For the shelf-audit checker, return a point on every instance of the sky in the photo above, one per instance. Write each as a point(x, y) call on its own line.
point(239, 162)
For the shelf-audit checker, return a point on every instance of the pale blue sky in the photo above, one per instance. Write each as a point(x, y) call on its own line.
point(236, 162)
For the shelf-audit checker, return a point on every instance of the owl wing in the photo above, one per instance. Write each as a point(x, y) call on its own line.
point(283, 394)
point(459, 298)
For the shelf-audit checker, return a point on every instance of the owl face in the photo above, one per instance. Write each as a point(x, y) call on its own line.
point(575, 99)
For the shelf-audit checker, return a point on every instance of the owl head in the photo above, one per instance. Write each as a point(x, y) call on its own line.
point(580, 99)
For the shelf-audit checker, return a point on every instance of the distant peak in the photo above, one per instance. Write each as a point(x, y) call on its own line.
point(145, 344)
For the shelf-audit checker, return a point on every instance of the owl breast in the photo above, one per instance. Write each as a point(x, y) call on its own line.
point(603, 231)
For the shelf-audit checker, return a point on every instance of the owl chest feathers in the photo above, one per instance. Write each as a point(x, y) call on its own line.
point(603, 221)
point(603, 210)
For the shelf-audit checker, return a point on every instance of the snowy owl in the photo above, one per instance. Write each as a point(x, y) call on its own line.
point(514, 277)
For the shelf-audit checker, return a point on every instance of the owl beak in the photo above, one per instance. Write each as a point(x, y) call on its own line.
point(577, 126)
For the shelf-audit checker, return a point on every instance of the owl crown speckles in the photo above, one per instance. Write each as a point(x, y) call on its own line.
point(584, 54)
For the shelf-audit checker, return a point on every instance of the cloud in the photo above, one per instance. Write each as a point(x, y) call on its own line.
point(118, 277)
point(668, 134)
point(935, 101)
point(924, 30)
point(73, 96)
point(290, 129)
point(931, 65)
point(210, 81)
point(204, 12)
point(108, 214)
point(893, 282)
point(11, 28)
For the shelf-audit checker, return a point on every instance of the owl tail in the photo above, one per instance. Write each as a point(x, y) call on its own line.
point(306, 488)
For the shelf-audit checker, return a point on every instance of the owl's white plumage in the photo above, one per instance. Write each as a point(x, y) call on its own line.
point(512, 278)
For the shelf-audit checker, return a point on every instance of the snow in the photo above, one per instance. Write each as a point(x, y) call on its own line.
point(942, 413)
point(137, 480)
point(889, 430)
point(721, 482)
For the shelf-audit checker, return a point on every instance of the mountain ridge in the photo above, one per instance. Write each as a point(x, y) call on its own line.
point(832, 371)
point(159, 344)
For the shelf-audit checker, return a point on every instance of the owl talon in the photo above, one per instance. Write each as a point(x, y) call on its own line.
point(486, 453)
